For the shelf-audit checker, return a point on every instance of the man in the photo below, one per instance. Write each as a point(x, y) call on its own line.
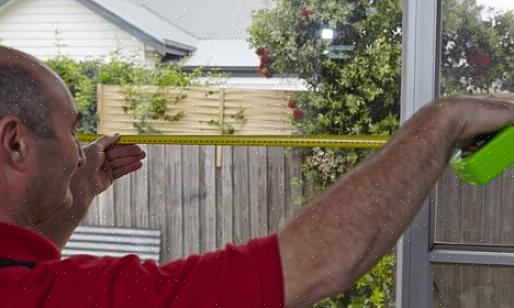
point(47, 183)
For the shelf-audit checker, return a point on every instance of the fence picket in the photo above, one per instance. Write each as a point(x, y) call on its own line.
point(258, 174)
point(191, 198)
point(241, 195)
point(207, 198)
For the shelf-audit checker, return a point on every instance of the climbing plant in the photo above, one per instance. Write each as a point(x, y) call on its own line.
point(82, 78)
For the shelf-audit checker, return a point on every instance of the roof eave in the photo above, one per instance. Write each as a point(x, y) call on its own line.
point(178, 49)
point(173, 50)
point(162, 47)
point(3, 2)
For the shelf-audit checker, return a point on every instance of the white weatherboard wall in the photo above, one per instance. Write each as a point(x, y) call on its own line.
point(46, 28)
point(258, 83)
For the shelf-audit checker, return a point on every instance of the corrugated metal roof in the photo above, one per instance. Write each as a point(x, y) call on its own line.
point(115, 242)
point(223, 53)
point(148, 21)
point(209, 19)
point(217, 28)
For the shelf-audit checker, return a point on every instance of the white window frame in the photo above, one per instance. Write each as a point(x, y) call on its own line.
point(420, 85)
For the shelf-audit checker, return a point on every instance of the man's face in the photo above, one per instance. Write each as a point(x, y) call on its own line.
point(58, 158)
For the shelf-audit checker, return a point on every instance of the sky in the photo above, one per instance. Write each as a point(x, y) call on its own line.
point(498, 4)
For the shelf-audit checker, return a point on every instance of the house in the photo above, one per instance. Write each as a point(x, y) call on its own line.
point(208, 33)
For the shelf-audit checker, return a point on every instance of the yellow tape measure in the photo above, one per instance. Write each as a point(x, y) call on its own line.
point(364, 142)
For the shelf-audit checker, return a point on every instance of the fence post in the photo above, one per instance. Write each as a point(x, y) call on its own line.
point(99, 106)
point(219, 149)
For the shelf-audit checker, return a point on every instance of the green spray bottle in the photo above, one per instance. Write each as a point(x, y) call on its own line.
point(486, 158)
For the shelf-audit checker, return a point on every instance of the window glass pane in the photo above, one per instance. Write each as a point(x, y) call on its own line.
point(476, 59)
point(225, 68)
point(472, 286)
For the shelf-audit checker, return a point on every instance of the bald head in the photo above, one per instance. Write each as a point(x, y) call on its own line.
point(23, 91)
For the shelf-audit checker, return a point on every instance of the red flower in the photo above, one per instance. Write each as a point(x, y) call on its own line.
point(260, 51)
point(305, 13)
point(480, 59)
point(262, 69)
point(269, 73)
point(291, 103)
point(265, 59)
point(298, 115)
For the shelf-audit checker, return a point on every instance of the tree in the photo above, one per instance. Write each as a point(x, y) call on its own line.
point(349, 55)
point(477, 55)
point(347, 95)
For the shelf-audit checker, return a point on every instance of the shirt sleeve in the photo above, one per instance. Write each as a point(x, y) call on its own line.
point(248, 275)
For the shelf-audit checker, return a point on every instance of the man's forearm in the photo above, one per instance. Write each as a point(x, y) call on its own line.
point(341, 234)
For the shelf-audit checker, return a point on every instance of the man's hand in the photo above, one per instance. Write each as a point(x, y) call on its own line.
point(477, 115)
point(105, 162)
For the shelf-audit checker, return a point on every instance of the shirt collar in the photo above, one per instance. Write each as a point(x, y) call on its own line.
point(24, 245)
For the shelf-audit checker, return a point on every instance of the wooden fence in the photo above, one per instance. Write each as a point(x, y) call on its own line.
point(470, 216)
point(203, 197)
point(200, 207)
point(474, 218)
point(248, 112)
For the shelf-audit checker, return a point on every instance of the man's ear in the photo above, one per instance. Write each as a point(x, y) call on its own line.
point(14, 149)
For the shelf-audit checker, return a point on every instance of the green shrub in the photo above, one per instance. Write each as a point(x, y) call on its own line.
point(81, 78)
point(375, 289)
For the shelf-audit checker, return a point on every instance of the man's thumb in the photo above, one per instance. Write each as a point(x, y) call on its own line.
point(106, 141)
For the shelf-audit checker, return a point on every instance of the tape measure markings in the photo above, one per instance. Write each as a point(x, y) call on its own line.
point(333, 141)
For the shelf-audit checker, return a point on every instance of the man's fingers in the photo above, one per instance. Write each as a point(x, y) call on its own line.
point(482, 115)
point(119, 150)
point(119, 172)
point(121, 162)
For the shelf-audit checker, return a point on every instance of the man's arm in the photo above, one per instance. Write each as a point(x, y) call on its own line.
point(341, 234)
point(105, 162)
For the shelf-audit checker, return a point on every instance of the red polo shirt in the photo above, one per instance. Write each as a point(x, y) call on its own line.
point(248, 275)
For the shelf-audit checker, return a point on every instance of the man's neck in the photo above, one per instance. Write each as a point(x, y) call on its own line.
point(14, 213)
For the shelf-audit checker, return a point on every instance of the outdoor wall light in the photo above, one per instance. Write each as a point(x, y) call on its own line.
point(327, 34)
point(341, 41)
